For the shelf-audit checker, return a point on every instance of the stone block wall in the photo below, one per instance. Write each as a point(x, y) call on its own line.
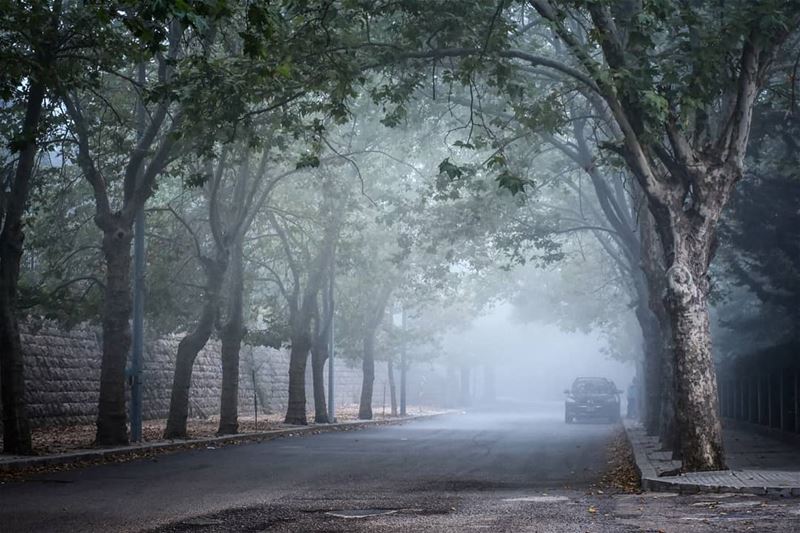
point(63, 377)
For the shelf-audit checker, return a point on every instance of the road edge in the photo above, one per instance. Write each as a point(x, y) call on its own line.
point(648, 476)
point(133, 452)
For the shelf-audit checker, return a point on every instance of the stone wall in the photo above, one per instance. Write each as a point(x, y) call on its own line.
point(63, 377)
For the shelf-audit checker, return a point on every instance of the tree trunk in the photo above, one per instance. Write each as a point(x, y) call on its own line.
point(231, 338)
point(188, 349)
point(298, 357)
point(649, 407)
point(392, 385)
point(697, 406)
point(668, 429)
point(660, 417)
point(301, 314)
point(368, 372)
point(323, 322)
point(111, 414)
point(318, 357)
point(16, 428)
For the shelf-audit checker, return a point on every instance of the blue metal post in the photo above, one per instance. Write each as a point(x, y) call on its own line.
point(138, 328)
point(331, 356)
point(138, 295)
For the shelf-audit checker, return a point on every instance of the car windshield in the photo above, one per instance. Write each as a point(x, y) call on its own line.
point(593, 386)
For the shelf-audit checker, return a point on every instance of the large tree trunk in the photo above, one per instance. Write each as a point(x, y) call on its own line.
point(188, 349)
point(111, 416)
point(16, 428)
point(318, 357)
point(368, 373)
point(298, 357)
point(231, 338)
point(392, 385)
point(660, 417)
point(697, 407)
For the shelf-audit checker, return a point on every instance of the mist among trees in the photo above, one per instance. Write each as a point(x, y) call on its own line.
point(389, 171)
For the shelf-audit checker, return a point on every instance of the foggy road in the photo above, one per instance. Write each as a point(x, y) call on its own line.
point(525, 449)
point(516, 470)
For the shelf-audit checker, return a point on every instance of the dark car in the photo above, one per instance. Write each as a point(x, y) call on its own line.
point(592, 398)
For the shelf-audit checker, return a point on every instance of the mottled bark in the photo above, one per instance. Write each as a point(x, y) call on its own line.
point(111, 414)
point(687, 171)
point(231, 339)
point(189, 347)
point(368, 377)
point(16, 427)
point(697, 406)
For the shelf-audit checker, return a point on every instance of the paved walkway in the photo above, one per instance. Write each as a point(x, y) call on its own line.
point(758, 465)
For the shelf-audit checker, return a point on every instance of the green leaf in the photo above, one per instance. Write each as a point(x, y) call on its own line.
point(450, 170)
point(308, 161)
point(511, 182)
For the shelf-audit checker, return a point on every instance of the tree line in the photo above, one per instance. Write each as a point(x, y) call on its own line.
point(296, 162)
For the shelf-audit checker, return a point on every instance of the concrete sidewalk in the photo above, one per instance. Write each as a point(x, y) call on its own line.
point(83, 457)
point(758, 465)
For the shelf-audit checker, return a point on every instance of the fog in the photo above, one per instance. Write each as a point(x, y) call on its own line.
point(461, 185)
point(533, 361)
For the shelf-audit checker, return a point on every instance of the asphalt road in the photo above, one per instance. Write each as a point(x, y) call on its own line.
point(523, 470)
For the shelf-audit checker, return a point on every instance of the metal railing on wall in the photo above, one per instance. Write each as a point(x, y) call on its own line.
point(762, 388)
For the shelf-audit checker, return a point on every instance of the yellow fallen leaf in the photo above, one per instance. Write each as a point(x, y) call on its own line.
point(592, 509)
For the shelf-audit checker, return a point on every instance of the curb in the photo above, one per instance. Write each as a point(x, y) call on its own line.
point(89, 456)
point(757, 482)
